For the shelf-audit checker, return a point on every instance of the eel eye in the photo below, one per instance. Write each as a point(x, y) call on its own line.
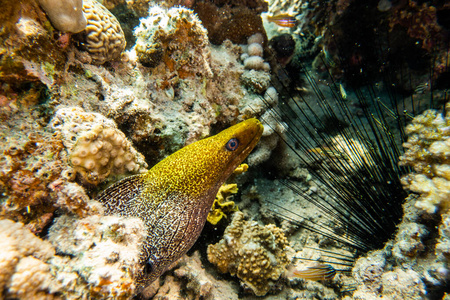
point(148, 268)
point(232, 144)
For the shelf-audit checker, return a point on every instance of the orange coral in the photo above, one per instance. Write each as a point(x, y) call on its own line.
point(420, 23)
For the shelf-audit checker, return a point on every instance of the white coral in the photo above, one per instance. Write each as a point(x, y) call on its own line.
point(66, 15)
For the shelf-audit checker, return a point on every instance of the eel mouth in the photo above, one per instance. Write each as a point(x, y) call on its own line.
point(251, 132)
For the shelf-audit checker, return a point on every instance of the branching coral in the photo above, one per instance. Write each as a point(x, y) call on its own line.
point(428, 152)
point(255, 254)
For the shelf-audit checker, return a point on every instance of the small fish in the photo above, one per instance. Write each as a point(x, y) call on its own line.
point(317, 272)
point(422, 88)
point(342, 91)
point(328, 153)
point(328, 59)
point(283, 20)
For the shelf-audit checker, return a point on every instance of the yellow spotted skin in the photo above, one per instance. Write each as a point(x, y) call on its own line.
point(174, 197)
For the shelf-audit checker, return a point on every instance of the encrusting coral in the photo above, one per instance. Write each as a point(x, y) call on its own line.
point(100, 149)
point(428, 152)
point(223, 205)
point(29, 164)
point(255, 254)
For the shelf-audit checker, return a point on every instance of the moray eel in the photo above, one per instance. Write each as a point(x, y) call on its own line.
point(174, 197)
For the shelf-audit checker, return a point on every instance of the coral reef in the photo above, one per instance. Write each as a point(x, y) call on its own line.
point(156, 108)
point(101, 251)
point(103, 37)
point(96, 257)
point(378, 283)
point(428, 152)
point(270, 139)
point(161, 30)
point(97, 148)
point(420, 21)
point(65, 15)
point(255, 254)
point(416, 269)
point(72, 198)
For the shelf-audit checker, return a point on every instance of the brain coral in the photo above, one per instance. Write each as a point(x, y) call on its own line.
point(176, 37)
point(103, 37)
point(255, 253)
point(97, 148)
point(428, 152)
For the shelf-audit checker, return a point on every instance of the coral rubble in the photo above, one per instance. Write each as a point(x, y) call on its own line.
point(191, 281)
point(255, 254)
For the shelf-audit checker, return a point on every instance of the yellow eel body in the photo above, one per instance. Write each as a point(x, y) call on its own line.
point(174, 197)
